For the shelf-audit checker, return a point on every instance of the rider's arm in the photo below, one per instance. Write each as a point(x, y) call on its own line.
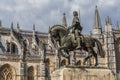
point(70, 27)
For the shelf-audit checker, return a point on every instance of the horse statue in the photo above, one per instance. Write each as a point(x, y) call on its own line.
point(62, 37)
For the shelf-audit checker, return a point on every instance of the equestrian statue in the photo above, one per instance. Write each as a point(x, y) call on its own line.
point(67, 40)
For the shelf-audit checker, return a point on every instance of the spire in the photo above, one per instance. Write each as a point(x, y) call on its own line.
point(97, 27)
point(33, 30)
point(49, 27)
point(64, 22)
point(33, 27)
point(18, 27)
point(117, 23)
point(11, 25)
point(97, 21)
point(108, 21)
point(0, 23)
point(117, 26)
point(11, 30)
point(108, 24)
point(34, 41)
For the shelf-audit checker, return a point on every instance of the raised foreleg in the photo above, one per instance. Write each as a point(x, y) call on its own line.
point(65, 52)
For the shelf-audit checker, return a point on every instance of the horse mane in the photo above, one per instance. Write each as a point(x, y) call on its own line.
point(54, 27)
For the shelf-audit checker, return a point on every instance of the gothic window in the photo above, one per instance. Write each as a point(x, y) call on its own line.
point(6, 73)
point(117, 46)
point(47, 61)
point(63, 62)
point(8, 46)
point(14, 48)
point(30, 73)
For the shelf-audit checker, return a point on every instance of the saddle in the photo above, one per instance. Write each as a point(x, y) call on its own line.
point(82, 38)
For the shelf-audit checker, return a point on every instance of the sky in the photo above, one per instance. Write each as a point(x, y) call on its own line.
point(45, 13)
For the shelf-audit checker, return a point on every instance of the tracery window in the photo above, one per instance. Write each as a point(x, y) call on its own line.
point(6, 73)
point(12, 47)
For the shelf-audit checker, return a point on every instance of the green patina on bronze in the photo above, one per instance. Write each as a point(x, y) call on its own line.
point(76, 28)
point(65, 39)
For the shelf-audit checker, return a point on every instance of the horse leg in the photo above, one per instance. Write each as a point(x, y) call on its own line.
point(86, 59)
point(68, 56)
point(96, 58)
point(69, 60)
point(90, 54)
point(63, 50)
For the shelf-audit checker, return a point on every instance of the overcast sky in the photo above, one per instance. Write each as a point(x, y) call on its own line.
point(45, 13)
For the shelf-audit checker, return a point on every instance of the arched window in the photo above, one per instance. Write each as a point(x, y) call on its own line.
point(117, 52)
point(31, 73)
point(47, 61)
point(63, 62)
point(12, 47)
point(117, 45)
point(6, 72)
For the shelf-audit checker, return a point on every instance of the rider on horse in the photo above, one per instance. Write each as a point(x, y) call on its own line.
point(76, 28)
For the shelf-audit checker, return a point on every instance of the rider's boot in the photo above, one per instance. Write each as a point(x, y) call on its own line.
point(79, 42)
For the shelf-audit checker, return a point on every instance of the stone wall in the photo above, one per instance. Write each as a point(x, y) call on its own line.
point(82, 73)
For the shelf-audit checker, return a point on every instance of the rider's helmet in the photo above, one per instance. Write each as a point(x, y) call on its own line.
point(75, 13)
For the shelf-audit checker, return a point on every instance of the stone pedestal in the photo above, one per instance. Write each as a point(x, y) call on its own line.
point(82, 73)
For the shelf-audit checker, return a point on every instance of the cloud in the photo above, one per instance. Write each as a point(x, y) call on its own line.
point(106, 3)
point(45, 13)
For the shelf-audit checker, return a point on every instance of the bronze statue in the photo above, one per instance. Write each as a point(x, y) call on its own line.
point(67, 43)
point(76, 28)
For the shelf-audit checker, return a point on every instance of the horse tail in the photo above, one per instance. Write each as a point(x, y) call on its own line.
point(99, 47)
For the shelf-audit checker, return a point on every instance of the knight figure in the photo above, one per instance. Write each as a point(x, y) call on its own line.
point(76, 28)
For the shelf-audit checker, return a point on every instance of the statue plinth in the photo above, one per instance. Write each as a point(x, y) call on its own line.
point(82, 73)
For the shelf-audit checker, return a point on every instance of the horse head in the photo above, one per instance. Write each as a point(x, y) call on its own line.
point(57, 32)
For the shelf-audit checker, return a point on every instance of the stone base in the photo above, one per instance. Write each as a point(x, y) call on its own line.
point(82, 73)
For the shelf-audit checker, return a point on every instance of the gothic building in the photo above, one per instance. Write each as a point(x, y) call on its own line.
point(29, 55)
point(109, 38)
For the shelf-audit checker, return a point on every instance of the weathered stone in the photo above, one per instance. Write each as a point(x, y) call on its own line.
point(82, 73)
